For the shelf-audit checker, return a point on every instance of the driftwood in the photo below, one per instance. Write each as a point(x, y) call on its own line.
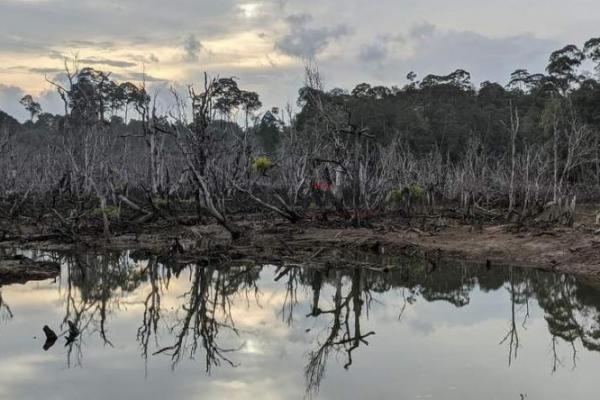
point(51, 337)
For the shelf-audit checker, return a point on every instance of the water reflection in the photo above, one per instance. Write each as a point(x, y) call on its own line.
point(5, 312)
point(207, 311)
point(193, 312)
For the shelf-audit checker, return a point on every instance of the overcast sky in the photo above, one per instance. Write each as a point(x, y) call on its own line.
point(264, 43)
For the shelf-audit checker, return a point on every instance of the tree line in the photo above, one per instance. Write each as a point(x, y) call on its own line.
point(524, 150)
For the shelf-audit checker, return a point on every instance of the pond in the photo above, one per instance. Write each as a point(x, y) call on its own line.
point(141, 329)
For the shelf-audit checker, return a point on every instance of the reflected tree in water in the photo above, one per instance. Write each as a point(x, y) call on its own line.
point(290, 301)
point(5, 311)
point(339, 298)
point(96, 286)
point(207, 311)
point(152, 305)
point(344, 333)
point(519, 292)
point(572, 311)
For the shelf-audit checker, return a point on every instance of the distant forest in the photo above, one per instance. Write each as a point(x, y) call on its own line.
point(437, 140)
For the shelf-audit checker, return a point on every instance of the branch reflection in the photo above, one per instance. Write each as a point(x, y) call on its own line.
point(189, 311)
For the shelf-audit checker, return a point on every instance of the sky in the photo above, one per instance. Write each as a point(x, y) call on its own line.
point(265, 43)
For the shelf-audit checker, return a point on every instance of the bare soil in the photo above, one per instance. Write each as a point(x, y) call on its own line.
point(563, 249)
point(559, 249)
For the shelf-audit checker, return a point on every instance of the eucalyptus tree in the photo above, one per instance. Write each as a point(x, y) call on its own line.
point(563, 67)
point(591, 49)
point(33, 108)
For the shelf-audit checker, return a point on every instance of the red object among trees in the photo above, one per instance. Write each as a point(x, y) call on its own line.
point(322, 186)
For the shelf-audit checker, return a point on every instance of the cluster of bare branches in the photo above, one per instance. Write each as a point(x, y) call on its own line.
point(198, 157)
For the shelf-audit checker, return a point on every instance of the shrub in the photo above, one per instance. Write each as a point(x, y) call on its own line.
point(111, 212)
point(407, 194)
point(262, 163)
point(415, 191)
point(396, 196)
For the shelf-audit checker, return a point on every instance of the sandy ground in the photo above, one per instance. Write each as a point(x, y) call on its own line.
point(559, 249)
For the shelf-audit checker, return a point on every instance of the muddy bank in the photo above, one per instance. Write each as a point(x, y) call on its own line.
point(20, 269)
point(570, 250)
point(559, 249)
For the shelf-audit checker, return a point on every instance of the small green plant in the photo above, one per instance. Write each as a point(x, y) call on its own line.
point(262, 163)
point(406, 195)
point(396, 196)
point(415, 191)
point(111, 212)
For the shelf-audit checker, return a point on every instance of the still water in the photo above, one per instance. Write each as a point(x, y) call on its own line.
point(151, 331)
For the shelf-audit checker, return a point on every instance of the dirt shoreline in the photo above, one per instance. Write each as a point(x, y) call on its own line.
point(560, 249)
point(569, 250)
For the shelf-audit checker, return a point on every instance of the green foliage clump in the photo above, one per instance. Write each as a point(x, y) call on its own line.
point(408, 193)
point(262, 163)
point(111, 212)
point(396, 196)
point(415, 191)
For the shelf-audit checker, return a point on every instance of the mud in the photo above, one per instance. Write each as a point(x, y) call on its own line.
point(570, 250)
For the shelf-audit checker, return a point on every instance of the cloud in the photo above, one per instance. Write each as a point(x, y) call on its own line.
point(105, 61)
point(422, 31)
point(104, 45)
point(144, 59)
point(304, 41)
point(265, 40)
point(56, 55)
point(379, 49)
point(373, 52)
point(10, 96)
point(51, 102)
point(45, 70)
point(136, 76)
point(487, 58)
point(33, 70)
point(20, 44)
point(99, 22)
point(93, 60)
point(9, 101)
point(192, 48)
point(426, 49)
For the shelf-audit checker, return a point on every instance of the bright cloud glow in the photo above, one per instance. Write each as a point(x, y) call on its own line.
point(264, 42)
point(250, 9)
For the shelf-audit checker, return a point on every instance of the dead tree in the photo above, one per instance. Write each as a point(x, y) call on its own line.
point(343, 142)
point(513, 129)
point(206, 152)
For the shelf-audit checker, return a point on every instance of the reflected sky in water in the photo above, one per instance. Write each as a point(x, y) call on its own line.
point(150, 331)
